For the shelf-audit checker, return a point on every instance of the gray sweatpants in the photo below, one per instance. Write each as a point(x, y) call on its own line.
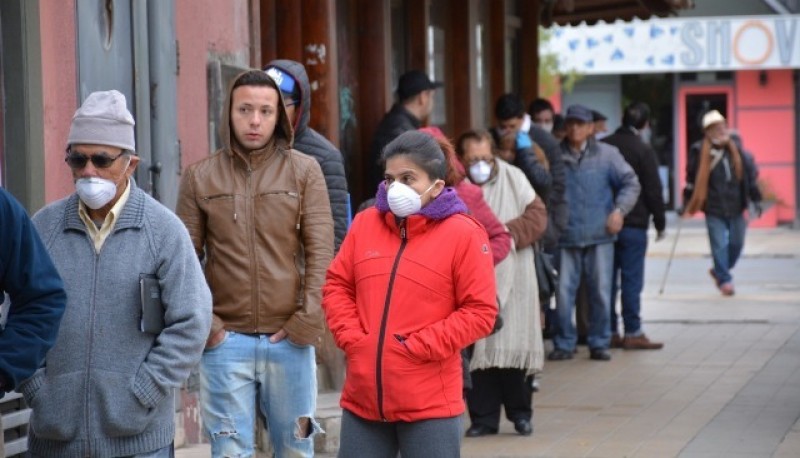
point(438, 437)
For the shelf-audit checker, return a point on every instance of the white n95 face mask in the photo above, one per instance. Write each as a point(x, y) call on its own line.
point(403, 200)
point(95, 192)
point(480, 172)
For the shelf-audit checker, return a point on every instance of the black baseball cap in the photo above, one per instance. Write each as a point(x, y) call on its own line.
point(597, 116)
point(413, 82)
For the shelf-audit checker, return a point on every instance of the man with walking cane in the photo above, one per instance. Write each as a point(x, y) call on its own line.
point(721, 182)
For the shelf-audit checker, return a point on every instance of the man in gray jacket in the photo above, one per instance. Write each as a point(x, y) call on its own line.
point(601, 189)
point(138, 308)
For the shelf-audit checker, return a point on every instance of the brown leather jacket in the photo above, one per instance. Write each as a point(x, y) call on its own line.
point(262, 222)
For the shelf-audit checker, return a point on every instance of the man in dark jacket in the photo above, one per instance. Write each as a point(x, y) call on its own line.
point(631, 245)
point(542, 114)
point(538, 155)
point(293, 81)
point(557, 212)
point(414, 105)
point(526, 144)
point(516, 147)
point(720, 181)
point(36, 297)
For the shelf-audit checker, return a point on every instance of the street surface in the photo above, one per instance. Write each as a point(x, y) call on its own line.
point(727, 383)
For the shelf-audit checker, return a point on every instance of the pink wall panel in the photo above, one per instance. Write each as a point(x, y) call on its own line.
point(766, 119)
point(58, 93)
point(781, 182)
point(769, 134)
point(778, 90)
point(205, 28)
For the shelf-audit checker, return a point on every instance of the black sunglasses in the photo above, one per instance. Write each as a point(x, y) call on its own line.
point(79, 160)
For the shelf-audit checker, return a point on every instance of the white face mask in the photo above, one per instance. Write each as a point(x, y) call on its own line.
point(480, 172)
point(548, 126)
point(95, 192)
point(526, 124)
point(403, 200)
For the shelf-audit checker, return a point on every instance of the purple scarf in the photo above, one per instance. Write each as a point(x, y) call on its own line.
point(445, 204)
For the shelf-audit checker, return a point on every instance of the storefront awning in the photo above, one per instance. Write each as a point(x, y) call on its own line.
point(564, 12)
point(676, 45)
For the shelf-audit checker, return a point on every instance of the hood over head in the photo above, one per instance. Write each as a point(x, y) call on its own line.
point(283, 135)
point(298, 73)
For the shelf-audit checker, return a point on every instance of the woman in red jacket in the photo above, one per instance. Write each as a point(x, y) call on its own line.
point(412, 284)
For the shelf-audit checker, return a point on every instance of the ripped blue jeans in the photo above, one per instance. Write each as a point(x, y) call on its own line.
point(247, 369)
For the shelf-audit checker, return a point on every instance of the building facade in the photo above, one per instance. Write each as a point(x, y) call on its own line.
point(744, 66)
point(173, 59)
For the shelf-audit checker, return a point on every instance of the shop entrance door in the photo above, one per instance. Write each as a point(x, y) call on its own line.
point(693, 103)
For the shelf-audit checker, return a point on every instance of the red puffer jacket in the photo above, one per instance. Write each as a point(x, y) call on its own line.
point(402, 301)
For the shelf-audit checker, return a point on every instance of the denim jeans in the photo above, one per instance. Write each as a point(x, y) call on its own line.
point(629, 252)
point(245, 369)
point(595, 263)
point(726, 236)
point(166, 452)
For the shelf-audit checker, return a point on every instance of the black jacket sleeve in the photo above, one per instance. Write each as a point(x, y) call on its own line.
point(30, 279)
point(651, 188)
point(556, 202)
point(332, 164)
point(537, 175)
point(751, 177)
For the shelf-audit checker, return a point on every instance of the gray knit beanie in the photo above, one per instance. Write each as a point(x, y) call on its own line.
point(103, 119)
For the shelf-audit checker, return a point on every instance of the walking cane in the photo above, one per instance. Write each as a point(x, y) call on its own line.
point(671, 255)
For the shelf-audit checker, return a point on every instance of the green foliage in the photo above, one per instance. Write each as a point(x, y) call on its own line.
point(549, 75)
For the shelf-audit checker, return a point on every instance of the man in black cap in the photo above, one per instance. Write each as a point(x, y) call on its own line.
point(600, 127)
point(414, 105)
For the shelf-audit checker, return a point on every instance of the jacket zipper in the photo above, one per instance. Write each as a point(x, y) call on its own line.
point(251, 222)
point(89, 350)
point(385, 318)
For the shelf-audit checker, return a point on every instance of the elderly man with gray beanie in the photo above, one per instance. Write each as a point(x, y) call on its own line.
point(138, 308)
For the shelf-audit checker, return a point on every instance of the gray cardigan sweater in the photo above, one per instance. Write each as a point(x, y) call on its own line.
point(107, 388)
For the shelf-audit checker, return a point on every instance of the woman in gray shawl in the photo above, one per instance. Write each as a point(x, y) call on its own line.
point(502, 361)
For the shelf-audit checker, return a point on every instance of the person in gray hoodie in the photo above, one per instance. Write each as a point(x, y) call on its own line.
point(292, 78)
point(138, 308)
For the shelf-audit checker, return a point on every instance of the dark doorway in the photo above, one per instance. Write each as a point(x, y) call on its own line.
point(698, 105)
point(656, 90)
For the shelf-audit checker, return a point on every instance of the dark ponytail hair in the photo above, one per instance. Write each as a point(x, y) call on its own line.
point(422, 149)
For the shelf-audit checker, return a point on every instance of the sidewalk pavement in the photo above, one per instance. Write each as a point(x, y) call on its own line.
point(726, 384)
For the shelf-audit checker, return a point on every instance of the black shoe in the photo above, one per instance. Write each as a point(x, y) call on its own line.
point(559, 355)
point(480, 430)
point(523, 427)
point(599, 354)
